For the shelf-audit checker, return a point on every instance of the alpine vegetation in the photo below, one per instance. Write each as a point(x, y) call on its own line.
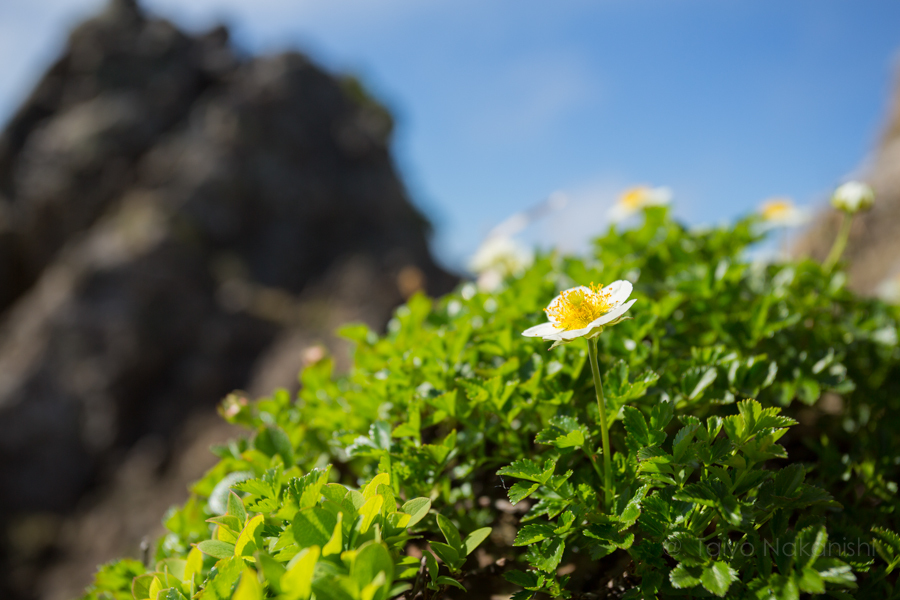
point(704, 426)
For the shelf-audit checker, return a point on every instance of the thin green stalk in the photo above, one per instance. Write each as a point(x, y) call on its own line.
point(840, 243)
point(604, 427)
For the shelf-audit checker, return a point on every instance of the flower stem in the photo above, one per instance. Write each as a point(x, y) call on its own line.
point(840, 243)
point(604, 427)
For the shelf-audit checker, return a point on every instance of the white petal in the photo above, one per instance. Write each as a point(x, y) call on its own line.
point(541, 330)
point(619, 291)
point(571, 334)
point(612, 315)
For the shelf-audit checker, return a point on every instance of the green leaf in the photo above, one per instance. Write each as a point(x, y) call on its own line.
point(810, 544)
point(249, 588)
point(416, 508)
point(444, 580)
point(474, 539)
point(636, 427)
point(546, 556)
point(313, 527)
point(273, 440)
point(530, 580)
point(685, 577)
point(235, 508)
point(336, 543)
point(249, 540)
point(529, 470)
point(216, 548)
point(835, 571)
point(520, 491)
point(373, 558)
point(696, 379)
point(718, 577)
point(370, 509)
point(296, 582)
point(451, 533)
point(431, 565)
point(271, 569)
point(810, 581)
point(447, 554)
point(532, 533)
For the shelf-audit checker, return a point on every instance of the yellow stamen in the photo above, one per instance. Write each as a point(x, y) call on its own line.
point(634, 197)
point(774, 210)
point(576, 309)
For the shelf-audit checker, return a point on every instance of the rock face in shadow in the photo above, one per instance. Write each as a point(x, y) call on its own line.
point(176, 221)
point(873, 251)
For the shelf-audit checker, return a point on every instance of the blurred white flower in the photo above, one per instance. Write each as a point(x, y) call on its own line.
point(583, 312)
point(889, 289)
point(638, 198)
point(853, 197)
point(782, 212)
point(499, 257)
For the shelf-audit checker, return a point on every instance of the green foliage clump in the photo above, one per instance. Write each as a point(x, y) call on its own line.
point(754, 426)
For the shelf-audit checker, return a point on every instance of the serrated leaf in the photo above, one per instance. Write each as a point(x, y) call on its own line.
point(636, 427)
point(529, 470)
point(835, 571)
point(718, 577)
point(683, 577)
point(530, 580)
point(810, 581)
point(520, 491)
point(546, 556)
point(533, 533)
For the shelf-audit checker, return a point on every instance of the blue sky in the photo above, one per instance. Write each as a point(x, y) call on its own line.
point(500, 103)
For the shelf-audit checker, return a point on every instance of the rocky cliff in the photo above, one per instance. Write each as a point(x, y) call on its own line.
point(176, 221)
point(873, 251)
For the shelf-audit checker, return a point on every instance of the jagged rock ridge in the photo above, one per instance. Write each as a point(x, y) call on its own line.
point(170, 212)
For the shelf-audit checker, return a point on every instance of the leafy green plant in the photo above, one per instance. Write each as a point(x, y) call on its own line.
point(753, 416)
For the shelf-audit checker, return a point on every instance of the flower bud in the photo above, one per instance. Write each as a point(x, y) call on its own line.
point(853, 197)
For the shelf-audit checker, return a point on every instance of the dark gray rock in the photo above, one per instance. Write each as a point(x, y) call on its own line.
point(175, 222)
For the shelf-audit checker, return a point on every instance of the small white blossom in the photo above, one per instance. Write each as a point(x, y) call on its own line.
point(583, 312)
point(638, 198)
point(782, 212)
point(497, 258)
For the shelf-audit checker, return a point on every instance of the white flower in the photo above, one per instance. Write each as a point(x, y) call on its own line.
point(781, 212)
point(638, 198)
point(499, 257)
point(583, 312)
point(889, 289)
point(853, 197)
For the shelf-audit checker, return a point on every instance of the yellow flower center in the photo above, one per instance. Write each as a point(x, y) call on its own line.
point(578, 308)
point(634, 198)
point(775, 210)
